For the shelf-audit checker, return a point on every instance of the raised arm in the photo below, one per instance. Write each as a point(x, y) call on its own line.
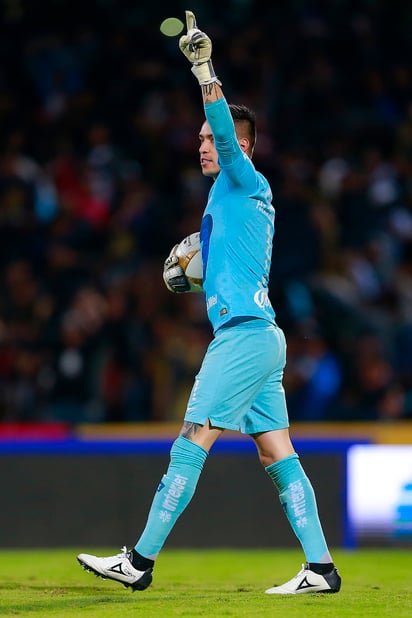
point(197, 47)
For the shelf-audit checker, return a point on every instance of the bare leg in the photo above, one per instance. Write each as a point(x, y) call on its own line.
point(203, 435)
point(273, 446)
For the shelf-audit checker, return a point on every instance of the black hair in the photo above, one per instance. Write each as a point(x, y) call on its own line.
point(242, 113)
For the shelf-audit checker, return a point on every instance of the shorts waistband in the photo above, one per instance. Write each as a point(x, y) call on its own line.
point(247, 321)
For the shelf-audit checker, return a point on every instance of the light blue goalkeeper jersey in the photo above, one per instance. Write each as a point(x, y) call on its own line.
point(237, 230)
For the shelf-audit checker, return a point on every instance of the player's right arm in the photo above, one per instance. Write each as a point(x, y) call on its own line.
point(197, 47)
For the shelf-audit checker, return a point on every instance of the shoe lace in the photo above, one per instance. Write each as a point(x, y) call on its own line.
point(303, 569)
point(301, 572)
point(125, 553)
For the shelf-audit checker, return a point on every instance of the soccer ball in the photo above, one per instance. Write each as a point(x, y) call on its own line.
point(190, 259)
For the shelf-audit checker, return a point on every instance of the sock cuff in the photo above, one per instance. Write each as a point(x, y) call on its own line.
point(186, 452)
point(280, 471)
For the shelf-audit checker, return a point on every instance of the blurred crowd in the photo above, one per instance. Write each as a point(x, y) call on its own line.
point(99, 178)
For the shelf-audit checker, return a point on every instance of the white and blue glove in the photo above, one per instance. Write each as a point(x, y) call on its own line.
point(197, 47)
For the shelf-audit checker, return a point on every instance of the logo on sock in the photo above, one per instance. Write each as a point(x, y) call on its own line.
point(165, 516)
point(160, 486)
point(297, 502)
point(174, 492)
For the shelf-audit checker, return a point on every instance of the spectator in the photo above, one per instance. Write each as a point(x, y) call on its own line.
point(96, 159)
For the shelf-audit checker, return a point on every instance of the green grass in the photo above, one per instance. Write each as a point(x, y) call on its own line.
point(221, 583)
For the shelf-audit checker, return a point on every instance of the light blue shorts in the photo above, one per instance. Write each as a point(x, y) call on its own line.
point(239, 385)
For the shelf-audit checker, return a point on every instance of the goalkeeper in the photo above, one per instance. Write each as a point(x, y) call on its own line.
point(239, 385)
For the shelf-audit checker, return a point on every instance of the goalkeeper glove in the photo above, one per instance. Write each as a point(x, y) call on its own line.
point(173, 274)
point(197, 47)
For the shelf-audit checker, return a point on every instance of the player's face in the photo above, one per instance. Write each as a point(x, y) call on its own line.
point(208, 152)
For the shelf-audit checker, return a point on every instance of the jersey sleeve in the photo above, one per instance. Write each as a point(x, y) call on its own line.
point(232, 159)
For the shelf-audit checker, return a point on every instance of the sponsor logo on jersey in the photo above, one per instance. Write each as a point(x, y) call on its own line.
point(261, 298)
point(266, 210)
point(211, 301)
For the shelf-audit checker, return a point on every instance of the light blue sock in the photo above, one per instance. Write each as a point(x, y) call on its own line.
point(299, 503)
point(174, 493)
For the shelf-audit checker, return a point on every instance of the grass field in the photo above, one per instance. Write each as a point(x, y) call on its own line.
point(204, 583)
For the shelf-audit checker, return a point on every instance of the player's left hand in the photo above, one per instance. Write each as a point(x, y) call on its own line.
point(173, 274)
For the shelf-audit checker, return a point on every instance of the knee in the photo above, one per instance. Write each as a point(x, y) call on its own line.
point(267, 459)
point(272, 446)
point(272, 453)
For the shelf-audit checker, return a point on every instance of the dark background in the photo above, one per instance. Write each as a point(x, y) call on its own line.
point(63, 501)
